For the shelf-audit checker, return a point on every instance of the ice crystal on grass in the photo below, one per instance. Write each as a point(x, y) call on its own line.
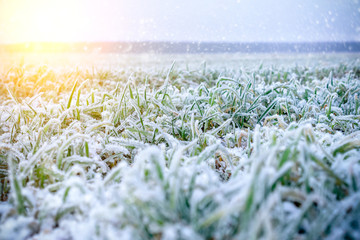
point(263, 153)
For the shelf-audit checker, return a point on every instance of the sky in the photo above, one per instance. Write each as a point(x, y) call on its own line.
point(179, 20)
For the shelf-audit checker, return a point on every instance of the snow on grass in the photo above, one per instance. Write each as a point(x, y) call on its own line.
point(266, 152)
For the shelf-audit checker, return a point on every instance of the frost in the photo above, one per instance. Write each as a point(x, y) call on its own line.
point(18, 227)
point(227, 153)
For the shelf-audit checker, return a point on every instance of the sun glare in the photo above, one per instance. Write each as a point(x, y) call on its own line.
point(42, 21)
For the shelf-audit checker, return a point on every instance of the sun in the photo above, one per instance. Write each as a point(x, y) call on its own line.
point(42, 21)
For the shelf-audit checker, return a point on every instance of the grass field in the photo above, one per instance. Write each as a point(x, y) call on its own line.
point(205, 147)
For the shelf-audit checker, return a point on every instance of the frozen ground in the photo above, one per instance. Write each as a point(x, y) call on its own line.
point(210, 147)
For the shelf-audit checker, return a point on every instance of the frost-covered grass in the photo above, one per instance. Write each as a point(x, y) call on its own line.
point(235, 153)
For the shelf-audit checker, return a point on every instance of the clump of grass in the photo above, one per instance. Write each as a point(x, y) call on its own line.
point(208, 154)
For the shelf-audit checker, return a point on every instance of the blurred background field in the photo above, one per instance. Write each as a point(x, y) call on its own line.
point(158, 61)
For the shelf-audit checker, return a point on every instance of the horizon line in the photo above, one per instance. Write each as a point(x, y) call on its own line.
point(181, 47)
point(177, 41)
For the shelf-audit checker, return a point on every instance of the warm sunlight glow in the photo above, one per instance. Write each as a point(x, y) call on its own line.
point(174, 21)
point(42, 20)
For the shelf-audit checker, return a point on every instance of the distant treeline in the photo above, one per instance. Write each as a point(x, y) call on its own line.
point(183, 47)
